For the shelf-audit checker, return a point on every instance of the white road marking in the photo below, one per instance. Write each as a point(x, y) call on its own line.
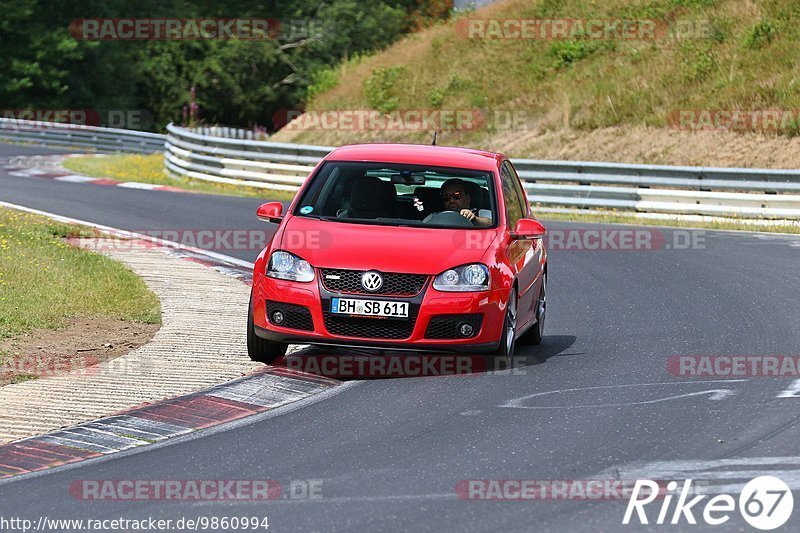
point(75, 178)
point(708, 471)
point(715, 394)
point(793, 391)
point(71, 442)
point(136, 185)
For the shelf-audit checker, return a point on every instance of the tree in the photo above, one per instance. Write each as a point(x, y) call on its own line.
point(239, 82)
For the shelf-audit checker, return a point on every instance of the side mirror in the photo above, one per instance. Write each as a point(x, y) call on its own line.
point(528, 229)
point(270, 212)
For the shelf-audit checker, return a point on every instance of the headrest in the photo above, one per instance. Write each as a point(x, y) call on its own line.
point(431, 198)
point(372, 193)
point(478, 195)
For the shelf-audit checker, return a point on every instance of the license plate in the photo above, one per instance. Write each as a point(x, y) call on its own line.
point(350, 306)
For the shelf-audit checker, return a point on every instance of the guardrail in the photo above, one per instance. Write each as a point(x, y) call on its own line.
point(87, 137)
point(263, 164)
point(738, 192)
point(254, 134)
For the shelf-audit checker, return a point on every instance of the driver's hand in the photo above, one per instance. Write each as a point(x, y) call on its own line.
point(469, 215)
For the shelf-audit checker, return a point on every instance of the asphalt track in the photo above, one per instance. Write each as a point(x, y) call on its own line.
point(390, 452)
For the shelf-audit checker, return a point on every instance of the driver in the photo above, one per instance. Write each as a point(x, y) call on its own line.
point(456, 198)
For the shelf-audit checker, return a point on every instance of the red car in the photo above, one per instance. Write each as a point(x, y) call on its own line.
point(422, 248)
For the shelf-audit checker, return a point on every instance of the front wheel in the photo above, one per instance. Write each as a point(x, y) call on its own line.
point(507, 340)
point(536, 332)
point(261, 350)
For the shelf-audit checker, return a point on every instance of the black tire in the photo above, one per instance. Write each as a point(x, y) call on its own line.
point(508, 338)
point(262, 350)
point(535, 333)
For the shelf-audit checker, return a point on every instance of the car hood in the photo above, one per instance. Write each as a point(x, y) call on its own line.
point(329, 244)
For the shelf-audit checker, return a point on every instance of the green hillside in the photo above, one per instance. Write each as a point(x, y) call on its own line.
point(584, 97)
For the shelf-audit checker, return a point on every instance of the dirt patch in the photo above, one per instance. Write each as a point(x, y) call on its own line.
point(83, 343)
point(624, 144)
point(658, 146)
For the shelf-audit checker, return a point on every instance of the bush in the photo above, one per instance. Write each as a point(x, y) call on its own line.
point(698, 61)
point(436, 96)
point(321, 81)
point(569, 52)
point(379, 89)
point(759, 35)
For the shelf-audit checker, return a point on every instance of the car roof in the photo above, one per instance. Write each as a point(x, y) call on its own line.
point(419, 154)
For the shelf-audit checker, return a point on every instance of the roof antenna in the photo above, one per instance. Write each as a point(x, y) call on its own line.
point(434, 138)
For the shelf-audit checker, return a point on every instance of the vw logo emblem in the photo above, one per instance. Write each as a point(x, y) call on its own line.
point(371, 281)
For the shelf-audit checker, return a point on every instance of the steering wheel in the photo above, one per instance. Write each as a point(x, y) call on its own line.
point(448, 218)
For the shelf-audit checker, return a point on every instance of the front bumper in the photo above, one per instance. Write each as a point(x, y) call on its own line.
point(429, 303)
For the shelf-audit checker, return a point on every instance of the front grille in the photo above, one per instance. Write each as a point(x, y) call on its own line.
point(446, 326)
point(297, 316)
point(349, 281)
point(369, 328)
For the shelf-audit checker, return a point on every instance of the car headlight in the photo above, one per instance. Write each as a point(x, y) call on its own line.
point(473, 277)
point(283, 265)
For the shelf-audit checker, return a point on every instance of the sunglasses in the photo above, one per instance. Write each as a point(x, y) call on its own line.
point(455, 196)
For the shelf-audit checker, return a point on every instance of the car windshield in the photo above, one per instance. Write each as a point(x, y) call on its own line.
point(393, 194)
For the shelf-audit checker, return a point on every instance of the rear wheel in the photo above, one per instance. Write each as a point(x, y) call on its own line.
point(261, 350)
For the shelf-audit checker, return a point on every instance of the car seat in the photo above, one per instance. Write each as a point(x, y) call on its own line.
point(478, 195)
point(431, 199)
point(371, 198)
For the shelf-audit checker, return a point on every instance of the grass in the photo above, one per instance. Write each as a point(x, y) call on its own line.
point(134, 437)
point(733, 55)
point(22, 378)
point(150, 169)
point(614, 217)
point(44, 280)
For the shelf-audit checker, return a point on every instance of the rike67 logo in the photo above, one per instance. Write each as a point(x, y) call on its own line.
point(765, 503)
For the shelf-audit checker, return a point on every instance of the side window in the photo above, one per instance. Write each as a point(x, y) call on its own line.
point(513, 205)
point(523, 198)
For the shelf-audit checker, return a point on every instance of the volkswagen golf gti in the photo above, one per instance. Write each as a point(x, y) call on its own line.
point(408, 247)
